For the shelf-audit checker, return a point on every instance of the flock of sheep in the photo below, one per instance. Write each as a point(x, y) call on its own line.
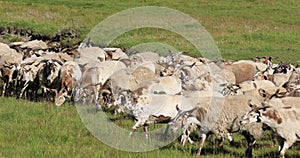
point(172, 88)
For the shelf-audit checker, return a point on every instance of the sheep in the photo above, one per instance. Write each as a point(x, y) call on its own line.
point(47, 75)
point(127, 78)
point(282, 120)
point(8, 67)
point(95, 75)
point(226, 118)
point(69, 74)
point(243, 70)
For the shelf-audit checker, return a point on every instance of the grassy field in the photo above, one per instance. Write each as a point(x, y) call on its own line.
point(241, 29)
point(30, 129)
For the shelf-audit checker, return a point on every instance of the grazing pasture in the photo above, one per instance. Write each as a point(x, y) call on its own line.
point(242, 29)
point(30, 129)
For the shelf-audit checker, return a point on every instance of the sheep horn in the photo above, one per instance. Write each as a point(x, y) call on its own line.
point(106, 91)
point(57, 61)
point(42, 61)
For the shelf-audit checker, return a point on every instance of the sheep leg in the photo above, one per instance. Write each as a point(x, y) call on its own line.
point(96, 90)
point(184, 138)
point(146, 131)
point(230, 138)
point(283, 150)
point(4, 89)
point(17, 87)
point(138, 124)
point(221, 145)
point(285, 146)
point(55, 92)
point(189, 131)
point(10, 88)
point(14, 87)
point(190, 140)
point(274, 138)
point(35, 93)
point(203, 137)
point(23, 90)
point(52, 91)
point(281, 142)
point(250, 140)
point(45, 90)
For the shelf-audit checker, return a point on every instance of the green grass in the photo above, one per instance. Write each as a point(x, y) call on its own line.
point(241, 29)
point(30, 129)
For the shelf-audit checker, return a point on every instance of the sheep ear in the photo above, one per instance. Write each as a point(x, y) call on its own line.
point(177, 108)
point(252, 106)
point(236, 86)
point(277, 92)
point(281, 94)
point(254, 84)
point(262, 92)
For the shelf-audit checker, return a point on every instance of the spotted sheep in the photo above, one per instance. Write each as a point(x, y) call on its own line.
point(282, 74)
point(38, 72)
point(47, 76)
point(284, 121)
point(9, 60)
point(70, 75)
